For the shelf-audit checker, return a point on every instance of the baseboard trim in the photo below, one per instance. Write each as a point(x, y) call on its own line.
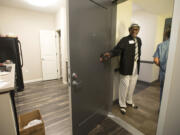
point(144, 82)
point(148, 83)
point(64, 82)
point(116, 101)
point(34, 80)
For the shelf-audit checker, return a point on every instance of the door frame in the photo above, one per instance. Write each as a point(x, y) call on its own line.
point(68, 57)
point(58, 53)
point(170, 68)
point(168, 79)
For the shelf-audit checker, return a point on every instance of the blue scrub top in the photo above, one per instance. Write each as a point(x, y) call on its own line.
point(162, 53)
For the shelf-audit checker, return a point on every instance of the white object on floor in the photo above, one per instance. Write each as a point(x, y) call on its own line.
point(33, 123)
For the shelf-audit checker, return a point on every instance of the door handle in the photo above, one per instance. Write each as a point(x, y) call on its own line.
point(76, 83)
point(74, 76)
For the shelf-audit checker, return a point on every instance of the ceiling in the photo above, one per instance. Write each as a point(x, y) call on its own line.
point(25, 5)
point(161, 7)
point(153, 6)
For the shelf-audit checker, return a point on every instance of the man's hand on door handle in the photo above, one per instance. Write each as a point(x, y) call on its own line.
point(105, 57)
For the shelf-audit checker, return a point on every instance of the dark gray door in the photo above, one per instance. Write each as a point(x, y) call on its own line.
point(90, 31)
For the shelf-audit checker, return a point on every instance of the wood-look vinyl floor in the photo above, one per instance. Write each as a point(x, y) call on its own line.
point(145, 118)
point(108, 127)
point(52, 99)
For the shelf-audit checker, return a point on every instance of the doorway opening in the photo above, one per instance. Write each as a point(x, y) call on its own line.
point(153, 24)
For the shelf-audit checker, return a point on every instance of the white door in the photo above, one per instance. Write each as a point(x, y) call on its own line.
point(48, 54)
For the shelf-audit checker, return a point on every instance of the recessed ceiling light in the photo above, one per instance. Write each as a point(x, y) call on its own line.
point(42, 3)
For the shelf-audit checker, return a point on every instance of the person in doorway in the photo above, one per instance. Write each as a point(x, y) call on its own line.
point(160, 59)
point(129, 49)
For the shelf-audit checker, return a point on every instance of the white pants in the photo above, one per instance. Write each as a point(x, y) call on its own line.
point(127, 86)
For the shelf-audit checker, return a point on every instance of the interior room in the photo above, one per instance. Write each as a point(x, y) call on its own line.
point(40, 26)
point(53, 83)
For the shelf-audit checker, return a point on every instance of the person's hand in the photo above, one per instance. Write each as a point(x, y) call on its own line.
point(156, 61)
point(101, 59)
point(107, 54)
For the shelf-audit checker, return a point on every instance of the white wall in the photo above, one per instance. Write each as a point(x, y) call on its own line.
point(58, 20)
point(151, 33)
point(124, 14)
point(148, 24)
point(27, 25)
point(61, 24)
point(64, 43)
point(169, 120)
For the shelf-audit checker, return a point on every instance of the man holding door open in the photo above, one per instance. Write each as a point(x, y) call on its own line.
point(129, 49)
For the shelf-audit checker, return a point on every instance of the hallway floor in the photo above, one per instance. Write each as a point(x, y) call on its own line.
point(145, 118)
